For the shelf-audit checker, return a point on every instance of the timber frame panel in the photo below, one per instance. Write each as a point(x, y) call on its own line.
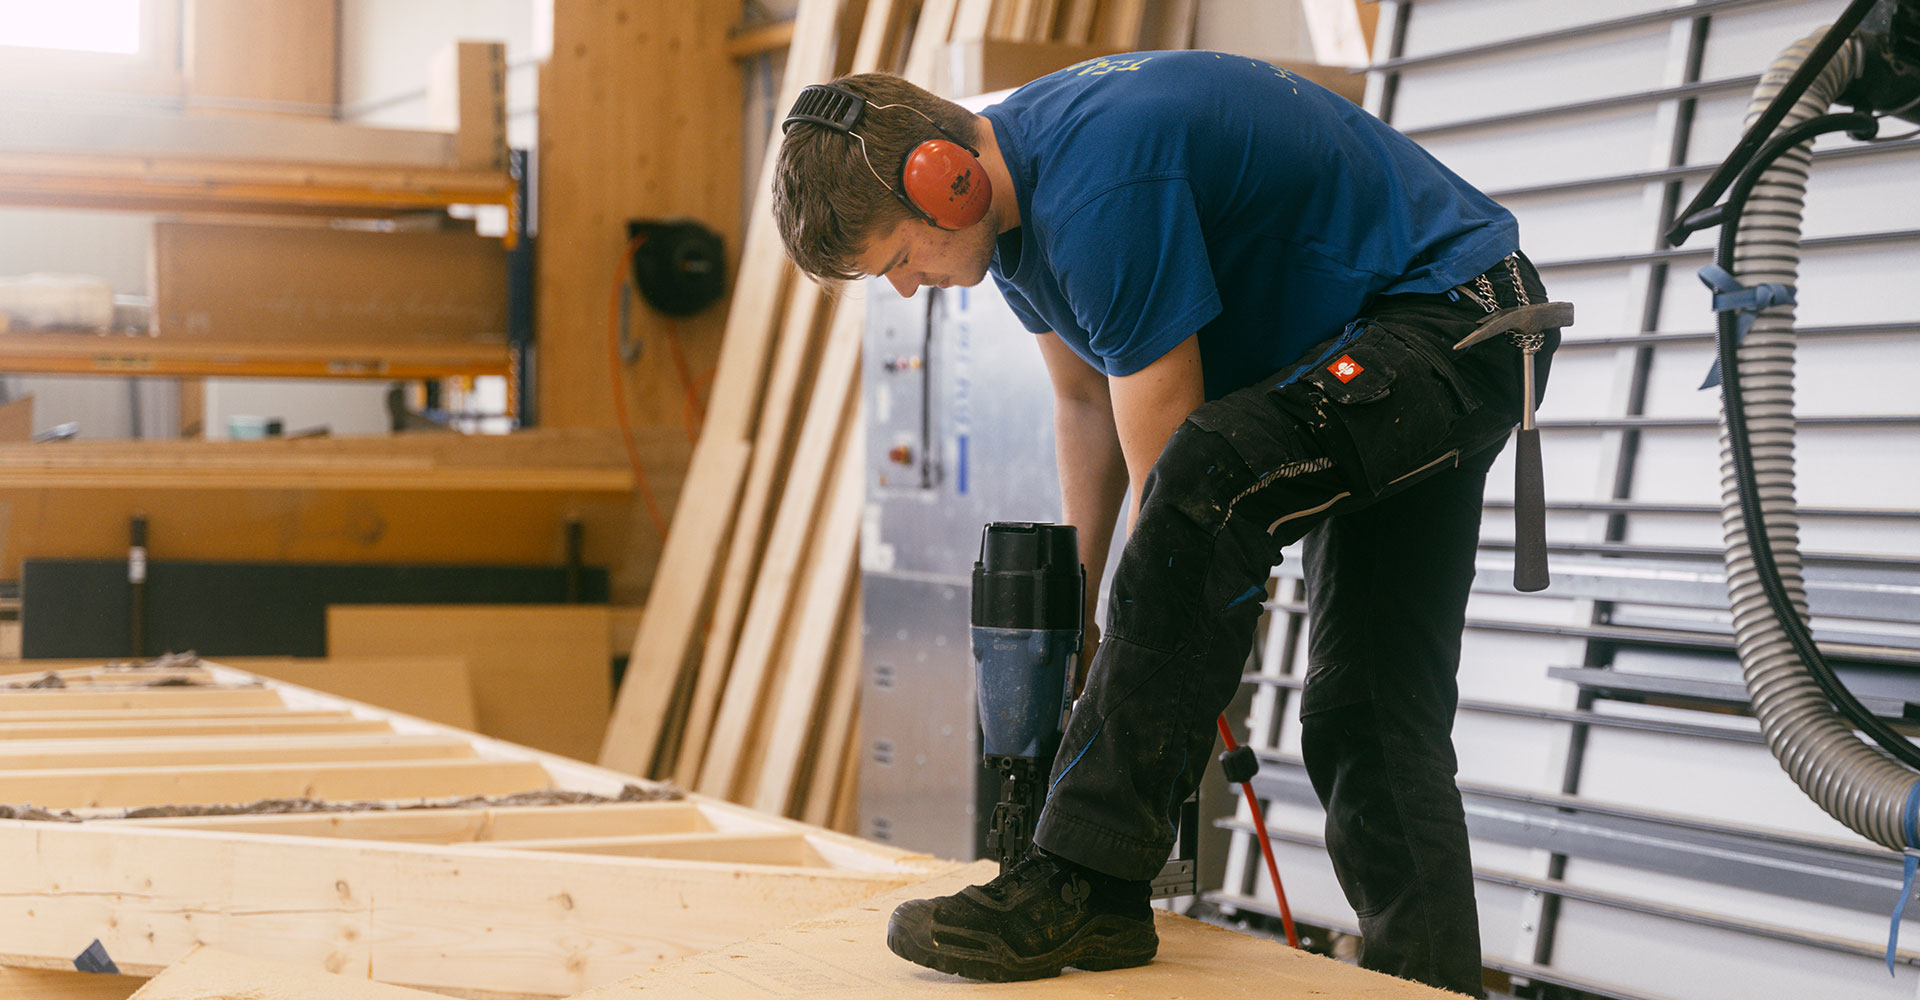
point(484, 899)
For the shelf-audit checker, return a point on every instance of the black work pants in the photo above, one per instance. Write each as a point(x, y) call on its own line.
point(1375, 448)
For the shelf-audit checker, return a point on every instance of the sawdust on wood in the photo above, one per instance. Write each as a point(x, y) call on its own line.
point(261, 807)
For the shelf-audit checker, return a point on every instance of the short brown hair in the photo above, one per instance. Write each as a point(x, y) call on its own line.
point(826, 201)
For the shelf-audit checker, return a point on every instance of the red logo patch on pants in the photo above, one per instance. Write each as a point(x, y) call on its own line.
point(1346, 369)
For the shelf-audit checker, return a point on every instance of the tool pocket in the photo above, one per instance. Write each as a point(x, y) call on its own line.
point(1385, 405)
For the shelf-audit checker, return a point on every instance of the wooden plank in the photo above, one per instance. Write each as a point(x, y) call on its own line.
point(467, 95)
point(1120, 21)
point(818, 612)
point(929, 37)
point(186, 713)
point(466, 825)
point(52, 700)
point(675, 607)
point(989, 65)
point(263, 725)
point(204, 183)
point(700, 532)
point(65, 984)
point(749, 42)
point(801, 342)
point(241, 284)
point(846, 793)
point(212, 974)
point(96, 752)
point(844, 954)
point(540, 673)
point(467, 918)
point(782, 847)
point(1077, 26)
point(972, 19)
point(838, 736)
point(722, 775)
point(68, 131)
point(429, 686)
point(130, 787)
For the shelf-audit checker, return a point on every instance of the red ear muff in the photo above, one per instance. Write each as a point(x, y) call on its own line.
point(947, 183)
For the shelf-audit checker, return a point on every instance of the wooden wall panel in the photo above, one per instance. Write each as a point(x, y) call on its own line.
point(285, 51)
point(639, 119)
point(541, 674)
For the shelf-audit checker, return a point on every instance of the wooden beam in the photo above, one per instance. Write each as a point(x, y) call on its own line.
point(839, 733)
point(263, 725)
point(129, 787)
point(436, 687)
point(783, 848)
point(460, 826)
point(95, 752)
point(467, 95)
point(796, 709)
point(65, 984)
point(748, 41)
point(845, 954)
point(213, 974)
point(470, 918)
point(49, 700)
point(186, 713)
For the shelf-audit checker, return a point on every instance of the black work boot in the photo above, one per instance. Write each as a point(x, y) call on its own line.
point(1038, 917)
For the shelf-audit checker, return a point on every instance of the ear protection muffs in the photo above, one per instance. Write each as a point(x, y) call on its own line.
point(941, 181)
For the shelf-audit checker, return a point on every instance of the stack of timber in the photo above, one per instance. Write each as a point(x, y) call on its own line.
point(744, 677)
point(162, 806)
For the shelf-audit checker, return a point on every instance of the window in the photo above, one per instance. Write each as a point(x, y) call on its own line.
point(72, 25)
point(57, 46)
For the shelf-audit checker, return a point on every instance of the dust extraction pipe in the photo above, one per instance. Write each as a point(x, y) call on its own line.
point(1849, 778)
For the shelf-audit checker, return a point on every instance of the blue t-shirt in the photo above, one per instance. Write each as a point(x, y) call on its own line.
point(1168, 193)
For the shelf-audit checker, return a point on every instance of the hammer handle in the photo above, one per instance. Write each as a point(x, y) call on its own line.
point(1529, 514)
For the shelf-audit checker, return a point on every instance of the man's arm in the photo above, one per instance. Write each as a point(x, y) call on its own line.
point(1093, 469)
point(1149, 404)
point(1108, 431)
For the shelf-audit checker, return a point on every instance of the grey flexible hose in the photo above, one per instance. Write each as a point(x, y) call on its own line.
point(1852, 780)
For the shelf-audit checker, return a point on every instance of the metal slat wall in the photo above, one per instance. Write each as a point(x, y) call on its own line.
point(1632, 835)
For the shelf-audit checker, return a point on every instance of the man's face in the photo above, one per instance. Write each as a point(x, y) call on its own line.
point(916, 254)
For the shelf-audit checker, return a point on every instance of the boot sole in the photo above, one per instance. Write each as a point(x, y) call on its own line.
point(1103, 943)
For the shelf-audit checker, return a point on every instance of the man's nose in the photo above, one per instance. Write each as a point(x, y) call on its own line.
point(902, 283)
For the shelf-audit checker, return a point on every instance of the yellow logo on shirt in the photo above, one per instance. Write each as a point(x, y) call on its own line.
point(1101, 67)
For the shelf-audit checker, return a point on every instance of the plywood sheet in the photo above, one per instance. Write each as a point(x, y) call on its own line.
point(540, 673)
point(843, 955)
point(433, 687)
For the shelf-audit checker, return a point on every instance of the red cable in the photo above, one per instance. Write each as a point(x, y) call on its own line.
point(690, 415)
point(1266, 846)
point(620, 388)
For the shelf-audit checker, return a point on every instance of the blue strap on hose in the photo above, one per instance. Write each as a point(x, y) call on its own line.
point(1747, 301)
point(1911, 825)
